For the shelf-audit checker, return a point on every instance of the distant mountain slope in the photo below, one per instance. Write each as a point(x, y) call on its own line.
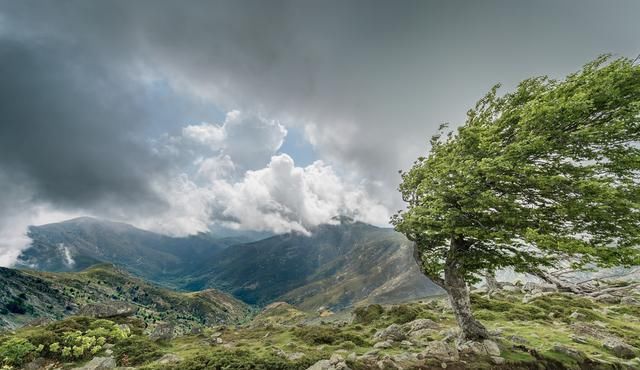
point(336, 266)
point(27, 295)
point(76, 244)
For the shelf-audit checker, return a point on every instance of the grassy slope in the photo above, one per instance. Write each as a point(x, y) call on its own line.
point(54, 295)
point(527, 336)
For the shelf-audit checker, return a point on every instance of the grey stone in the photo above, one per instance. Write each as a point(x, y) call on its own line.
point(571, 352)
point(36, 364)
point(491, 347)
point(578, 339)
point(631, 301)
point(163, 331)
point(169, 358)
point(577, 316)
point(393, 332)
point(497, 360)
point(383, 344)
point(619, 348)
point(99, 363)
point(607, 298)
point(420, 324)
point(441, 351)
point(107, 310)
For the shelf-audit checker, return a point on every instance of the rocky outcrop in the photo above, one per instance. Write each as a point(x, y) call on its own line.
point(393, 332)
point(108, 310)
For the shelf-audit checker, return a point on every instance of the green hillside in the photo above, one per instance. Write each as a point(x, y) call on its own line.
point(549, 331)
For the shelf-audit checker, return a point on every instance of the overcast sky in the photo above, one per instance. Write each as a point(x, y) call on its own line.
point(268, 115)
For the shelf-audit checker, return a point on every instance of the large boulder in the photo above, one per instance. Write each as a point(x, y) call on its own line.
point(420, 324)
point(393, 332)
point(163, 331)
point(108, 310)
point(440, 351)
point(619, 348)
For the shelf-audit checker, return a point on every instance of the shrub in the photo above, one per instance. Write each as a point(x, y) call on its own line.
point(367, 314)
point(317, 335)
point(239, 360)
point(17, 351)
point(403, 314)
point(135, 350)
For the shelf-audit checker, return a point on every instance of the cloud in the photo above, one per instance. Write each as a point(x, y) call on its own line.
point(278, 198)
point(246, 139)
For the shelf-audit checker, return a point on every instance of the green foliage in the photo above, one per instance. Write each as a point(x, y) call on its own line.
point(135, 350)
point(240, 360)
point(402, 314)
point(367, 314)
point(321, 334)
point(17, 351)
point(544, 174)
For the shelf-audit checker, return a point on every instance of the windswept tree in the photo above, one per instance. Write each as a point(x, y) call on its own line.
point(547, 173)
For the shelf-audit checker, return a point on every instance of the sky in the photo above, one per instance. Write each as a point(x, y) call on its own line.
point(182, 116)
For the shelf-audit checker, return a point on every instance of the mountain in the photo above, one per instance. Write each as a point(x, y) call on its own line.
point(27, 295)
point(76, 244)
point(338, 265)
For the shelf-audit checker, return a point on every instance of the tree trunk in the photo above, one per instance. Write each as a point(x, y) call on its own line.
point(459, 294)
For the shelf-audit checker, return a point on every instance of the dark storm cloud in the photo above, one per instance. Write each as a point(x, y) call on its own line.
point(69, 123)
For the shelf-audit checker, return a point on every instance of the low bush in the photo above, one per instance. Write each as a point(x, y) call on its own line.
point(238, 360)
point(135, 350)
point(317, 335)
point(367, 314)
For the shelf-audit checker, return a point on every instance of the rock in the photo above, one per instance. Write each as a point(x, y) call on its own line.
point(393, 332)
point(320, 365)
point(406, 343)
point(295, 356)
point(510, 288)
point(196, 330)
point(383, 344)
point(491, 347)
point(163, 331)
point(571, 352)
point(40, 321)
point(422, 333)
point(607, 298)
point(517, 339)
point(486, 347)
point(169, 358)
point(631, 301)
point(387, 363)
point(497, 360)
point(533, 288)
point(352, 357)
point(578, 339)
point(619, 348)
point(99, 363)
point(420, 324)
point(336, 362)
point(577, 316)
point(336, 358)
point(107, 310)
point(441, 351)
point(36, 364)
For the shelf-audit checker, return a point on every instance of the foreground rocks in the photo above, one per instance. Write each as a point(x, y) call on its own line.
point(99, 363)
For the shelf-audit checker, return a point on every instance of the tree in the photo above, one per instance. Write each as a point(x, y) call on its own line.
point(547, 173)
